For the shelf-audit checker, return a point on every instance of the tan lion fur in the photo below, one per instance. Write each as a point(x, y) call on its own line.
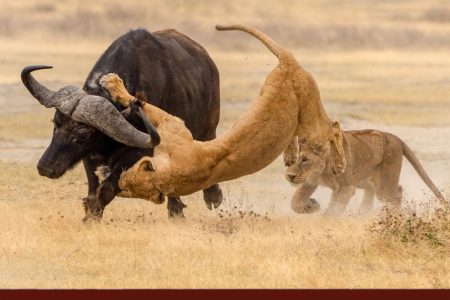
point(374, 161)
point(288, 108)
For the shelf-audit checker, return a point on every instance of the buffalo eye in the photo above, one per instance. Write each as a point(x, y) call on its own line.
point(81, 134)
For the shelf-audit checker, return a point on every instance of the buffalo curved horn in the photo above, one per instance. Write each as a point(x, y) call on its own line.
point(96, 111)
point(40, 92)
point(102, 114)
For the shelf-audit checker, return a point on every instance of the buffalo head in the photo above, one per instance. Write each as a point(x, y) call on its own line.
point(80, 124)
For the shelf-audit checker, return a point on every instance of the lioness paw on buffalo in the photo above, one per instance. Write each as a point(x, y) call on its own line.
point(114, 85)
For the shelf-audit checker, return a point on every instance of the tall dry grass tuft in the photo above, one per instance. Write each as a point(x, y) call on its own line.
point(413, 225)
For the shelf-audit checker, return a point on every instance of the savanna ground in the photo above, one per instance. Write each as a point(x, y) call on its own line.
point(383, 65)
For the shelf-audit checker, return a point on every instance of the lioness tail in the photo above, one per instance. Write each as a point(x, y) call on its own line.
point(280, 52)
point(407, 152)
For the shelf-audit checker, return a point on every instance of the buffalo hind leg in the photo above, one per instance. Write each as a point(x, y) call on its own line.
point(213, 196)
point(175, 207)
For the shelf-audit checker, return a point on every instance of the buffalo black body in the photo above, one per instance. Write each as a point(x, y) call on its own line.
point(167, 69)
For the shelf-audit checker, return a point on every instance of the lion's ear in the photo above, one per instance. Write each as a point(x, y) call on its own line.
point(146, 165)
point(337, 152)
point(336, 124)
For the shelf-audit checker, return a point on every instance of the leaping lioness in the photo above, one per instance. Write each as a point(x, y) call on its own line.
point(288, 107)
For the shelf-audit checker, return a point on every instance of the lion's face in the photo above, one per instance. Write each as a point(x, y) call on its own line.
point(310, 165)
point(140, 181)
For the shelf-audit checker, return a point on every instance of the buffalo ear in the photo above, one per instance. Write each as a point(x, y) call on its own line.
point(146, 165)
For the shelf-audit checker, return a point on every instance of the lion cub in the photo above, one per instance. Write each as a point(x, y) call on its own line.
point(373, 163)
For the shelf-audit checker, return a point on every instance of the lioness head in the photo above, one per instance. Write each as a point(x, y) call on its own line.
point(139, 181)
point(311, 163)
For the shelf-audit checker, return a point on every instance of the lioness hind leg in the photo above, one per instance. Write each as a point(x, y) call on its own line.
point(387, 189)
point(339, 200)
point(114, 85)
point(368, 199)
point(392, 197)
point(301, 203)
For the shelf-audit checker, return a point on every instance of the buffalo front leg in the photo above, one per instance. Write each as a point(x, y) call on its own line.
point(90, 166)
point(213, 195)
point(301, 202)
point(105, 193)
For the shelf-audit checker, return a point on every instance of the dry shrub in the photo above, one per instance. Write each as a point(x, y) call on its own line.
point(411, 225)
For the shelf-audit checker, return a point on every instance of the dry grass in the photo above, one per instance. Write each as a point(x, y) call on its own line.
point(384, 62)
point(136, 246)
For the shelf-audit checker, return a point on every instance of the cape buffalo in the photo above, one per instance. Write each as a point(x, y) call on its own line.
point(165, 67)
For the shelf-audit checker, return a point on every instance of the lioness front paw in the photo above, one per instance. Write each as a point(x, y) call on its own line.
point(311, 206)
point(110, 81)
point(114, 85)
